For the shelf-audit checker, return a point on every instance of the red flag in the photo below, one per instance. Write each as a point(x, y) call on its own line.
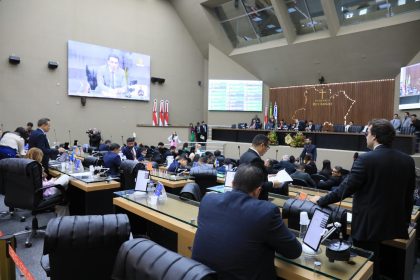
point(161, 113)
point(154, 114)
point(266, 115)
point(166, 117)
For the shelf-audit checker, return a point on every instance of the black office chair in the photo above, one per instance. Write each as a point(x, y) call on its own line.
point(318, 177)
point(355, 128)
point(205, 181)
point(144, 259)
point(292, 208)
point(318, 127)
point(299, 182)
point(22, 181)
point(11, 213)
point(83, 247)
point(407, 130)
point(129, 170)
point(95, 161)
point(339, 128)
point(191, 191)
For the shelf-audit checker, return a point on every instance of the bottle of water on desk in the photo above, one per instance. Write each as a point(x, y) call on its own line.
point(304, 222)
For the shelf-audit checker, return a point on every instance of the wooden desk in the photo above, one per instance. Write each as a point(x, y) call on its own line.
point(89, 198)
point(326, 140)
point(187, 232)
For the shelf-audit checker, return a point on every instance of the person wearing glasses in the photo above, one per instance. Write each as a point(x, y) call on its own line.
point(382, 183)
point(334, 180)
point(253, 156)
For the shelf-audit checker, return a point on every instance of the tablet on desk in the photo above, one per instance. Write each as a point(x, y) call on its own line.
point(316, 229)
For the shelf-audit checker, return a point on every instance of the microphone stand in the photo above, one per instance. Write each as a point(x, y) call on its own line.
point(122, 140)
point(55, 136)
point(69, 137)
point(239, 150)
point(277, 151)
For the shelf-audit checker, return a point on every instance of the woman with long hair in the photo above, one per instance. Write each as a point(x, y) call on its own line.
point(12, 144)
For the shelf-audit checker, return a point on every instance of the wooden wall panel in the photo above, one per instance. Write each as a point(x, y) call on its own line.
point(337, 103)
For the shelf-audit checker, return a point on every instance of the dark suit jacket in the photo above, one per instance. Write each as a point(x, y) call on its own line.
point(382, 183)
point(38, 139)
point(309, 149)
point(333, 181)
point(237, 236)
point(286, 165)
point(252, 157)
point(113, 162)
point(129, 154)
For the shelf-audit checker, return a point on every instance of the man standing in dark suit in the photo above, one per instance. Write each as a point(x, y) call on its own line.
point(238, 234)
point(253, 156)
point(382, 183)
point(308, 149)
point(38, 139)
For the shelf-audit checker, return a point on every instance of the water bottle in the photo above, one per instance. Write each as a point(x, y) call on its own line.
point(304, 222)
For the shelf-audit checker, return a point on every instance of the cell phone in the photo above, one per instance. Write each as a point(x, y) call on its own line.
point(316, 229)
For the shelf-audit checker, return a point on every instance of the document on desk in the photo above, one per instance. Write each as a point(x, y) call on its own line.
point(281, 176)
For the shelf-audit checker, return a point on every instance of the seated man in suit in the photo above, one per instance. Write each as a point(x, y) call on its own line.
point(333, 181)
point(238, 234)
point(180, 164)
point(285, 164)
point(38, 139)
point(131, 151)
point(203, 167)
point(112, 160)
point(310, 126)
point(103, 147)
point(348, 126)
point(302, 175)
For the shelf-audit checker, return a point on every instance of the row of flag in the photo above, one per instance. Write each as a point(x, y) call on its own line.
point(160, 118)
point(269, 112)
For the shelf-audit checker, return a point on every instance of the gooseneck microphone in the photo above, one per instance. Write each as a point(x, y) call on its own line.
point(122, 140)
point(69, 137)
point(239, 150)
point(277, 151)
point(55, 137)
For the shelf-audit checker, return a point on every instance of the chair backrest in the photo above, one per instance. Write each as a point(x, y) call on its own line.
point(144, 259)
point(407, 130)
point(292, 208)
point(318, 177)
point(338, 128)
point(318, 127)
point(191, 191)
point(129, 170)
point(95, 161)
point(21, 180)
point(355, 128)
point(84, 247)
point(299, 182)
point(204, 181)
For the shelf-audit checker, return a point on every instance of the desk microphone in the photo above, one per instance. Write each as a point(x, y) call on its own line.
point(122, 140)
point(69, 137)
point(55, 136)
point(277, 151)
point(1, 127)
point(339, 249)
point(239, 150)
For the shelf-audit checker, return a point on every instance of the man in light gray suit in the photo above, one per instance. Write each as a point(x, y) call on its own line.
point(396, 122)
point(111, 78)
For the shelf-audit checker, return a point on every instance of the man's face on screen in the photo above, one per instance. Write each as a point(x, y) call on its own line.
point(113, 63)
